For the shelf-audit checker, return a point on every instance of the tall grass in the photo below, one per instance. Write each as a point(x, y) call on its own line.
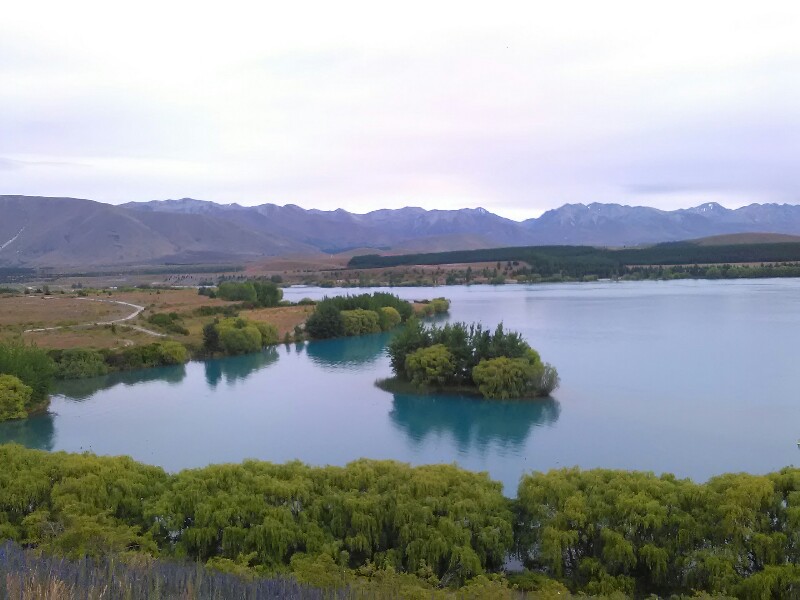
point(25, 575)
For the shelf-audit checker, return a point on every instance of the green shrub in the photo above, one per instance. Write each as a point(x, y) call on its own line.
point(356, 315)
point(146, 356)
point(389, 318)
point(231, 310)
point(425, 310)
point(360, 321)
point(240, 340)
point(31, 365)
point(269, 333)
point(211, 343)
point(431, 366)
point(236, 292)
point(173, 353)
point(15, 396)
point(504, 377)
point(256, 292)
point(548, 380)
point(440, 305)
point(79, 363)
point(169, 322)
point(325, 322)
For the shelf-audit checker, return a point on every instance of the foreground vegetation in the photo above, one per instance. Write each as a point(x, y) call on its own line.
point(416, 530)
point(31, 575)
point(26, 374)
point(461, 357)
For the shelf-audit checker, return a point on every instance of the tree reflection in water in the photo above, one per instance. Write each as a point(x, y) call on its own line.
point(238, 368)
point(36, 432)
point(81, 389)
point(472, 422)
point(348, 352)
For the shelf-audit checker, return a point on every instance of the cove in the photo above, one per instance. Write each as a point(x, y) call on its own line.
point(695, 378)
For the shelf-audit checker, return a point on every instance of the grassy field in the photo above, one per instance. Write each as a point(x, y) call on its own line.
point(76, 317)
point(32, 311)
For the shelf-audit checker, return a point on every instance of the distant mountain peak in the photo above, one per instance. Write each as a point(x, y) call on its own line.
point(708, 207)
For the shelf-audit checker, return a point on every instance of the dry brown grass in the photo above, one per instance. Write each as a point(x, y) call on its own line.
point(280, 264)
point(89, 337)
point(25, 588)
point(166, 300)
point(27, 312)
point(285, 318)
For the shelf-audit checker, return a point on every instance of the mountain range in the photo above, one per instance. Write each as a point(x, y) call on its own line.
point(60, 232)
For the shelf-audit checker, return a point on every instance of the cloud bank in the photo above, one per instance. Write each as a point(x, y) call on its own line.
point(517, 107)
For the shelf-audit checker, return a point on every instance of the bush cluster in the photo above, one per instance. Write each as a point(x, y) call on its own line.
point(169, 322)
point(80, 363)
point(31, 373)
point(238, 336)
point(600, 532)
point(357, 315)
point(15, 398)
point(499, 364)
point(436, 306)
point(231, 310)
point(255, 292)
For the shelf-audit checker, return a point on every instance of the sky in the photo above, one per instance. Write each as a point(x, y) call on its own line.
point(518, 107)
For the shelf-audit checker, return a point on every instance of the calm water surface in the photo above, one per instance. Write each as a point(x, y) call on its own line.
point(692, 377)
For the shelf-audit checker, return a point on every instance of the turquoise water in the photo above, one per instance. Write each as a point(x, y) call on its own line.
point(696, 378)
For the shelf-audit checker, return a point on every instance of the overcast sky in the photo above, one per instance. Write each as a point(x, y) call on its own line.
point(516, 107)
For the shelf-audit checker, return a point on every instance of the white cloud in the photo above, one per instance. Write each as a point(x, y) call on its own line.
point(518, 107)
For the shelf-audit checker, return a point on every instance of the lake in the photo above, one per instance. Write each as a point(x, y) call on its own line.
point(692, 377)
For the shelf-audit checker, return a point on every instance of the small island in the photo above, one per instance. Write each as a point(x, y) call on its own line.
point(458, 357)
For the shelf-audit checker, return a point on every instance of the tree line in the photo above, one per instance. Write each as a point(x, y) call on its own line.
point(601, 532)
point(580, 261)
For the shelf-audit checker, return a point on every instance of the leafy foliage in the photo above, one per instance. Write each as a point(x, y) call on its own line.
point(605, 531)
point(78, 363)
point(173, 353)
point(256, 292)
point(440, 305)
point(383, 525)
point(504, 377)
point(15, 396)
point(501, 364)
point(146, 356)
point(431, 366)
point(325, 322)
point(357, 315)
point(389, 318)
point(31, 365)
point(169, 322)
point(239, 336)
point(360, 321)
